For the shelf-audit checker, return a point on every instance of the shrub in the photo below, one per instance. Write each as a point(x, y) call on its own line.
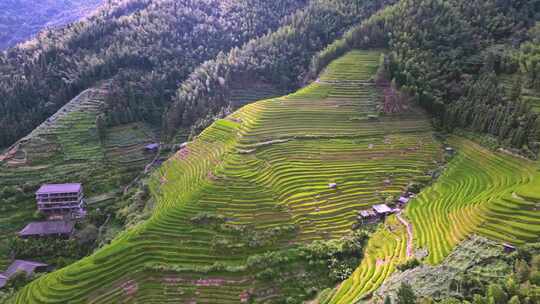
point(406, 294)
point(409, 264)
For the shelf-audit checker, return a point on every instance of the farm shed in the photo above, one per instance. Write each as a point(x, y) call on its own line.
point(27, 267)
point(508, 248)
point(368, 217)
point(403, 200)
point(48, 228)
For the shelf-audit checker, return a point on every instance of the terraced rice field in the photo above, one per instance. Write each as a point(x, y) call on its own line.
point(66, 148)
point(386, 249)
point(242, 95)
point(481, 192)
point(261, 171)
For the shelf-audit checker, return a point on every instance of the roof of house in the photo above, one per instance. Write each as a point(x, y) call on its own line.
point(382, 208)
point(19, 265)
point(47, 228)
point(59, 188)
point(403, 199)
point(367, 213)
point(510, 246)
point(151, 146)
point(3, 280)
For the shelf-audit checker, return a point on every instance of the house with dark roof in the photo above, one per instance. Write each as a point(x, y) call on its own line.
point(48, 228)
point(366, 217)
point(28, 267)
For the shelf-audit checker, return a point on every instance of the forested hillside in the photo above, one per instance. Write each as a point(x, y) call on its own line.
point(22, 19)
point(281, 59)
point(448, 55)
point(146, 47)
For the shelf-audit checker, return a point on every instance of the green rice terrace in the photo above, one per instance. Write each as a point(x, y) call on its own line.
point(67, 148)
point(275, 176)
point(481, 192)
point(242, 207)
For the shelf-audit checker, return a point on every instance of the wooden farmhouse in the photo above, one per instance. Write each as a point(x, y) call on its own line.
point(49, 228)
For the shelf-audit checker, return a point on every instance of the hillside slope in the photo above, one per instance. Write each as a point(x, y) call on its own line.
point(67, 148)
point(22, 19)
point(264, 171)
point(481, 192)
point(145, 47)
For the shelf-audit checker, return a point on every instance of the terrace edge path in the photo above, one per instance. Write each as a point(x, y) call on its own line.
point(410, 236)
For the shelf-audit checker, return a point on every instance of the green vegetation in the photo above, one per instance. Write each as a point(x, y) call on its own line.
point(255, 183)
point(476, 260)
point(385, 250)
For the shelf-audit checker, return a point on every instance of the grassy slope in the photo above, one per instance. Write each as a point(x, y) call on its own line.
point(491, 194)
point(267, 165)
point(67, 149)
point(476, 255)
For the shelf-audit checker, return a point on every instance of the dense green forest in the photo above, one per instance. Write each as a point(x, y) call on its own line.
point(21, 19)
point(145, 47)
point(449, 54)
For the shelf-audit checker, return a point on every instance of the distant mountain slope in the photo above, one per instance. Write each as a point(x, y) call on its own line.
point(146, 47)
point(21, 19)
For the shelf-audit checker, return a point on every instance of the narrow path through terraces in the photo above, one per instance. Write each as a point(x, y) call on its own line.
point(409, 235)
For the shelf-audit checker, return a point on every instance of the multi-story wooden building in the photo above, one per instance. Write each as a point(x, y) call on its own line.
point(61, 200)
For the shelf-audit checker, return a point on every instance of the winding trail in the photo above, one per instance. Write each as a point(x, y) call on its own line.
point(409, 234)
